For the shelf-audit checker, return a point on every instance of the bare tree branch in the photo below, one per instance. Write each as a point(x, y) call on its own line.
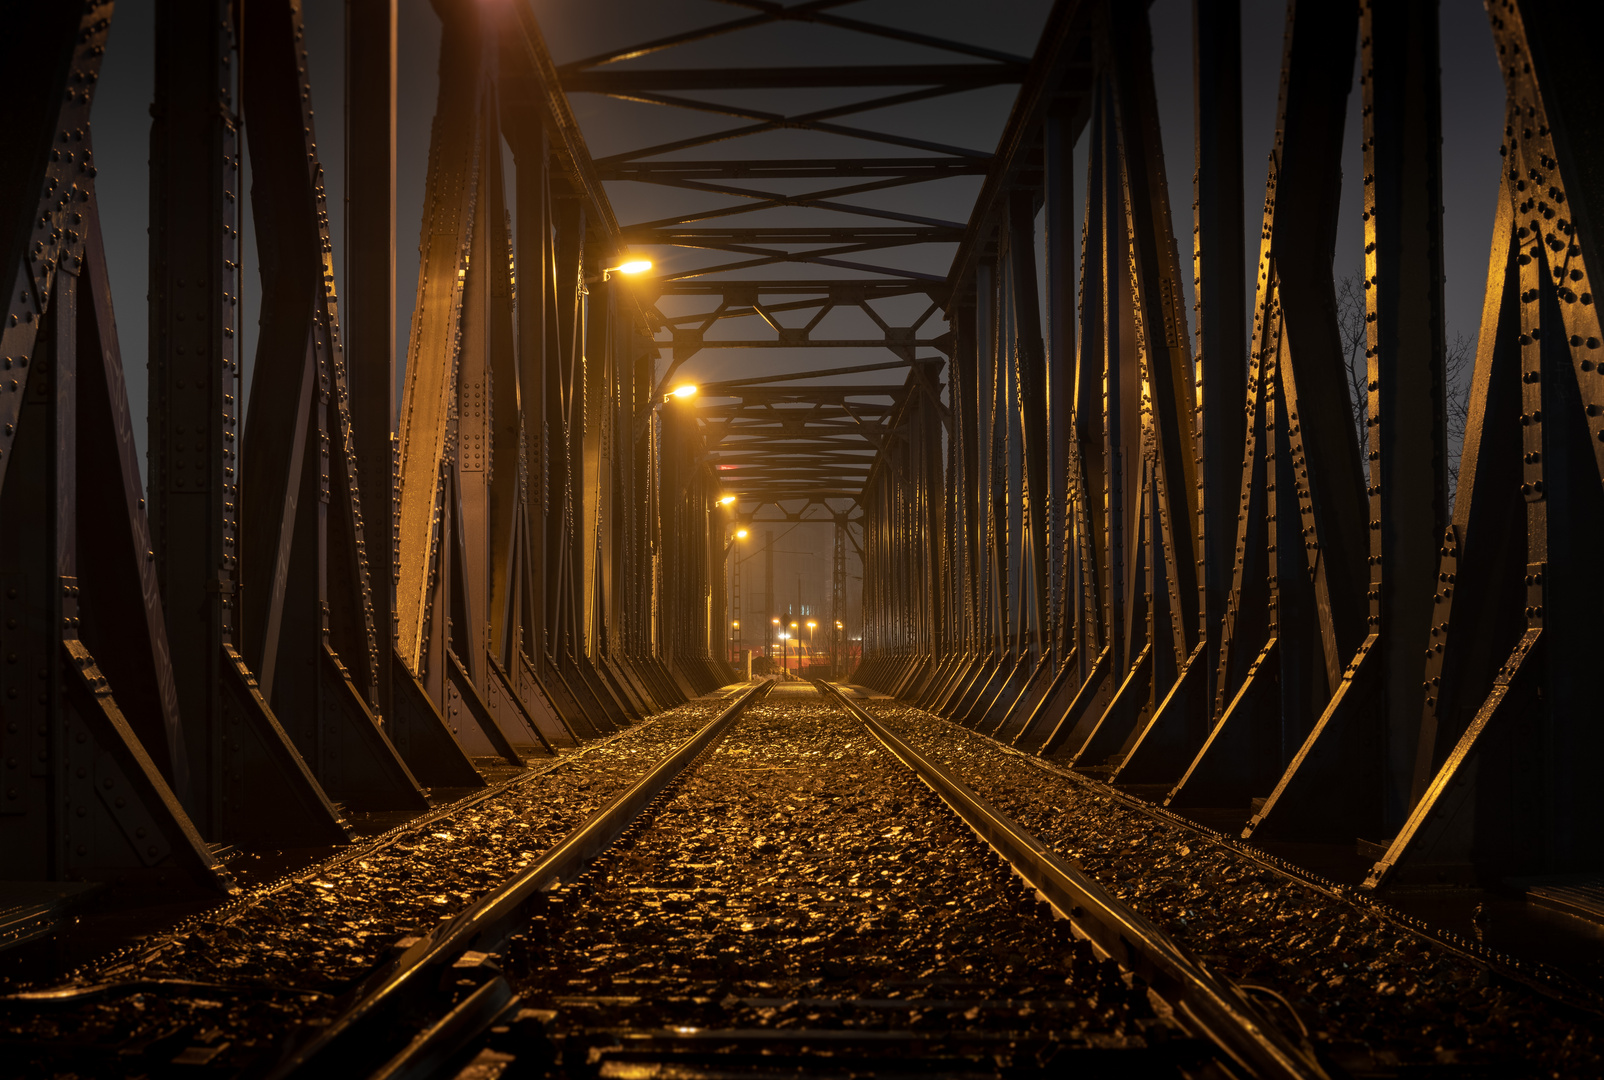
point(1459, 363)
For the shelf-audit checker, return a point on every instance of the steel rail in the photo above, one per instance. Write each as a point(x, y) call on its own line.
point(345, 1046)
point(1206, 1003)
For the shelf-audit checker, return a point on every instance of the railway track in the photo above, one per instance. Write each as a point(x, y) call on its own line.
point(796, 891)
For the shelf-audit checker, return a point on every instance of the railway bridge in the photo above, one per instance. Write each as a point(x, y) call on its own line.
point(1198, 671)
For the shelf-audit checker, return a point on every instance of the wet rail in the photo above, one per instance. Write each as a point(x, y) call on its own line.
point(407, 986)
point(801, 884)
point(1205, 1003)
point(805, 902)
point(220, 988)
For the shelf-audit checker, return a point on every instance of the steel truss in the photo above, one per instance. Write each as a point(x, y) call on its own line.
point(1175, 569)
point(1165, 563)
point(322, 605)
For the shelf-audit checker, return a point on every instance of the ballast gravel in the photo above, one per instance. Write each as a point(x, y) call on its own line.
point(222, 990)
point(1373, 995)
point(803, 883)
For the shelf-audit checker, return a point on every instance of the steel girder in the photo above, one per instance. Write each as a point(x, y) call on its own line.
point(786, 440)
point(97, 760)
point(224, 665)
point(308, 631)
point(1046, 519)
point(1305, 657)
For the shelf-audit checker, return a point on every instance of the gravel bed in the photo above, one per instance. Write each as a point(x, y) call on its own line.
point(1374, 995)
point(218, 988)
point(801, 878)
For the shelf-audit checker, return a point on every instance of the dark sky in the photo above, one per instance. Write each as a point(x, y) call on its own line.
point(1472, 107)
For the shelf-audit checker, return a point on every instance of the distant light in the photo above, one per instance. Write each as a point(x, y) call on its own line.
point(793, 626)
point(784, 636)
point(684, 391)
point(634, 266)
point(776, 622)
point(726, 500)
point(736, 625)
point(838, 624)
point(812, 625)
point(740, 534)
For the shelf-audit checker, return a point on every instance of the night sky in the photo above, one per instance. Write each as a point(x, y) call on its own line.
point(1472, 118)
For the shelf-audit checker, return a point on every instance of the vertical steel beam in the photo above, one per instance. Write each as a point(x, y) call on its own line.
point(194, 366)
point(370, 148)
point(312, 626)
point(476, 393)
point(80, 798)
point(1093, 633)
point(1160, 317)
point(507, 462)
point(432, 348)
point(1118, 400)
point(1218, 279)
point(1030, 370)
point(1406, 349)
point(1059, 191)
point(1353, 773)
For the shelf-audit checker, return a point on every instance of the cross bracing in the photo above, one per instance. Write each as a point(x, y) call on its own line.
point(1146, 540)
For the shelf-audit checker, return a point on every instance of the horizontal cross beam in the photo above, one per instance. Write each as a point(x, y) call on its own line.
point(670, 172)
point(766, 78)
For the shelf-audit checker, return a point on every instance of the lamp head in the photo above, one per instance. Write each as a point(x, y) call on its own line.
point(726, 500)
point(740, 534)
point(628, 267)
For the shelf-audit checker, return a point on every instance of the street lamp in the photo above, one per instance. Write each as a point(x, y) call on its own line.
point(785, 660)
point(683, 391)
point(812, 626)
point(630, 267)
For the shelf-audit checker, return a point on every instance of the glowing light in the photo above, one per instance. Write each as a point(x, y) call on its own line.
point(812, 625)
point(784, 636)
point(685, 391)
point(634, 266)
point(793, 626)
point(726, 500)
point(775, 621)
point(838, 624)
point(740, 534)
point(736, 625)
